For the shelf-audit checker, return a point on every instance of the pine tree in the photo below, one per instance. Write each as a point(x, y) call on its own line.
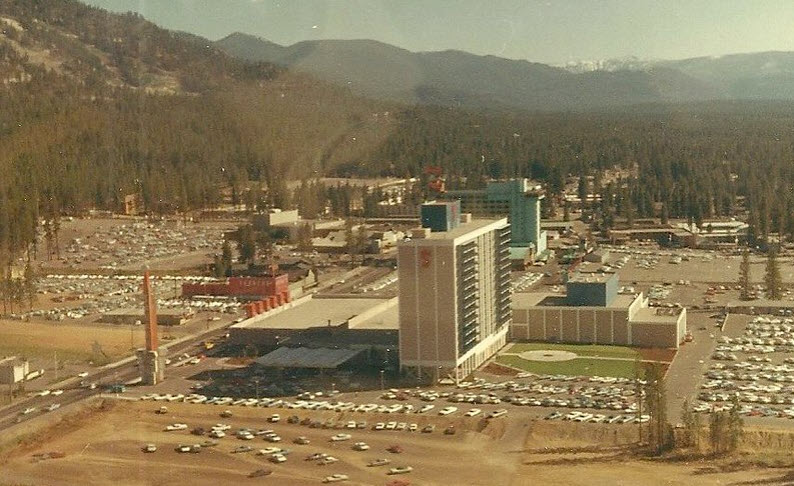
point(772, 278)
point(697, 427)
point(304, 237)
point(218, 267)
point(226, 258)
point(656, 398)
point(717, 432)
point(744, 276)
point(581, 190)
point(688, 419)
point(29, 285)
point(246, 244)
point(735, 425)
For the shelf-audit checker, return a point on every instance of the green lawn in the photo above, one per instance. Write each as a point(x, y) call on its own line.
point(578, 366)
point(580, 349)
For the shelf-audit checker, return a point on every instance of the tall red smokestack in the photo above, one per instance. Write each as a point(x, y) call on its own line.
point(150, 314)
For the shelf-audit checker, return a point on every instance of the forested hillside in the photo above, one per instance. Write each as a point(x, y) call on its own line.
point(97, 105)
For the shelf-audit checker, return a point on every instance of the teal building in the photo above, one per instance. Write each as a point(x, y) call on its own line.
point(518, 199)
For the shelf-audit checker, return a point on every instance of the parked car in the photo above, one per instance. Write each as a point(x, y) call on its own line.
point(400, 470)
point(335, 478)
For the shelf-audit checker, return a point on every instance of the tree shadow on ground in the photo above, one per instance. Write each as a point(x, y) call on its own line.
point(619, 456)
point(627, 448)
point(787, 478)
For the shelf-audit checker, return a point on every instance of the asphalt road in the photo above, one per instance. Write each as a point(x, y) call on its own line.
point(119, 372)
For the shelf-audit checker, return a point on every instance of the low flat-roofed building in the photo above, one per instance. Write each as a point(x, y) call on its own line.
point(165, 317)
point(13, 370)
point(663, 235)
point(323, 322)
point(275, 217)
point(310, 358)
point(626, 320)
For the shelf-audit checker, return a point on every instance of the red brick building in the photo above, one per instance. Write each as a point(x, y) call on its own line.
point(244, 287)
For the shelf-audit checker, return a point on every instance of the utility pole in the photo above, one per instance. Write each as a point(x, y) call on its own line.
point(639, 408)
point(55, 357)
point(381, 380)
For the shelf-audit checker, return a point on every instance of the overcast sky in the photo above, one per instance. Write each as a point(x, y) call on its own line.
point(550, 31)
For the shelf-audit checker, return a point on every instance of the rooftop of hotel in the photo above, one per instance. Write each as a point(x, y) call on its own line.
point(657, 314)
point(523, 300)
point(591, 277)
point(460, 230)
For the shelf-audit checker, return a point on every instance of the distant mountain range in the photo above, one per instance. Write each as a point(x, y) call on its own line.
point(456, 78)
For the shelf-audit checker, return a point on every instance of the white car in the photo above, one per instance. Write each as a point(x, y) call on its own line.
point(217, 434)
point(83, 374)
point(360, 446)
point(54, 406)
point(278, 458)
point(335, 478)
point(473, 412)
point(274, 418)
point(497, 413)
point(268, 451)
point(340, 437)
point(177, 426)
point(401, 470)
point(447, 410)
point(57, 392)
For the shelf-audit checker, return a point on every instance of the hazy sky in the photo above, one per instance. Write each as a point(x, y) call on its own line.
point(551, 31)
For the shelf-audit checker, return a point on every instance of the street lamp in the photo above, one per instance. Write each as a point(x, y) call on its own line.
point(256, 387)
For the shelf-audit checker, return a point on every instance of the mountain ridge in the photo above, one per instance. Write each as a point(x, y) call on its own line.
point(458, 78)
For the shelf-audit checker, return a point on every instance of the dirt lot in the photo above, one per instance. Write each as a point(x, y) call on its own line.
point(73, 342)
point(76, 342)
point(104, 448)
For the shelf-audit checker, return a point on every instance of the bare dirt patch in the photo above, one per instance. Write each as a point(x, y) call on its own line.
point(103, 447)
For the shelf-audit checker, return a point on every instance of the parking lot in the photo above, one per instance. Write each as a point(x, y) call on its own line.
point(129, 244)
point(309, 454)
point(88, 296)
point(517, 448)
point(753, 361)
